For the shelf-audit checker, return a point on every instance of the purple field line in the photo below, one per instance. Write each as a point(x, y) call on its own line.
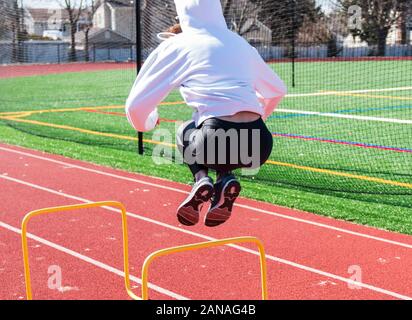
point(349, 143)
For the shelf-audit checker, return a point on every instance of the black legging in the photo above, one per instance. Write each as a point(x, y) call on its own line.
point(224, 146)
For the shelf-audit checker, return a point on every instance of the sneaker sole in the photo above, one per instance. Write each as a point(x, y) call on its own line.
point(188, 212)
point(218, 215)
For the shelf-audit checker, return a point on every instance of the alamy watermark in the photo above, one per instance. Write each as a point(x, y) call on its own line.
point(354, 17)
point(356, 276)
point(209, 147)
point(54, 282)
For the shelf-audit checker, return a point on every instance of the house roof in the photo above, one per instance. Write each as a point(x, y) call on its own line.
point(119, 3)
point(44, 15)
point(102, 36)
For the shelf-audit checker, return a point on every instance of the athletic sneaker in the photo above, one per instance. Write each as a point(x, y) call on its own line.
point(188, 211)
point(226, 192)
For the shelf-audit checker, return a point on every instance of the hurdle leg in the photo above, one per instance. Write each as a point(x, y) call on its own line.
point(202, 245)
point(45, 211)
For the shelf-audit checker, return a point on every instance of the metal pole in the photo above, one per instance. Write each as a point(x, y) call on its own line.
point(293, 42)
point(139, 59)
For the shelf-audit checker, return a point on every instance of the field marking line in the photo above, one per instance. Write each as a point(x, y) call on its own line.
point(160, 186)
point(87, 131)
point(341, 142)
point(339, 115)
point(291, 95)
point(344, 116)
point(329, 93)
point(277, 163)
point(30, 112)
point(343, 174)
point(364, 95)
point(202, 236)
point(92, 261)
point(15, 116)
point(12, 114)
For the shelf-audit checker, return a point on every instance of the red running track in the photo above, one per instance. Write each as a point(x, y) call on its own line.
point(12, 71)
point(309, 256)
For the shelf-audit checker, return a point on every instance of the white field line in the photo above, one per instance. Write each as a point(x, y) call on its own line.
point(92, 261)
point(331, 93)
point(345, 116)
point(159, 186)
point(202, 236)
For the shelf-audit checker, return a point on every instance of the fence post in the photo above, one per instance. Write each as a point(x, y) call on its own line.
point(293, 41)
point(139, 59)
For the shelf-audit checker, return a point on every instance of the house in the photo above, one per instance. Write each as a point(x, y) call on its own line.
point(256, 33)
point(396, 32)
point(394, 36)
point(7, 9)
point(103, 38)
point(38, 20)
point(116, 15)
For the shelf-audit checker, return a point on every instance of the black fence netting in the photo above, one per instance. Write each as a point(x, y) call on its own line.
point(345, 126)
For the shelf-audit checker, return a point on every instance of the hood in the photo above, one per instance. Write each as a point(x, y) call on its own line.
point(200, 14)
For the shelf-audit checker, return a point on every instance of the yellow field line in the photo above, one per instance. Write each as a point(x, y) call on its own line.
point(363, 95)
point(284, 164)
point(15, 115)
point(70, 128)
point(342, 174)
point(12, 113)
point(30, 112)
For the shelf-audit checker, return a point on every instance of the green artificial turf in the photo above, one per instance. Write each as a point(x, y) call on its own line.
point(377, 204)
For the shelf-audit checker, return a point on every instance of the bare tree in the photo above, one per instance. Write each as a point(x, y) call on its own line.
point(74, 13)
point(405, 9)
point(285, 17)
point(157, 16)
point(90, 12)
point(5, 21)
point(15, 23)
point(378, 17)
point(328, 29)
point(241, 16)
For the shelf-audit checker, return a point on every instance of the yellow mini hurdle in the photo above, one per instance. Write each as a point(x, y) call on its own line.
point(149, 259)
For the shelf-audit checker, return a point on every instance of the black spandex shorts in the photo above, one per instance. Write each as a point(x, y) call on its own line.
point(224, 146)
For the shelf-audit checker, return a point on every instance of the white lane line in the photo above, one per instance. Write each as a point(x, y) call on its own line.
point(92, 261)
point(331, 93)
point(345, 116)
point(202, 236)
point(159, 186)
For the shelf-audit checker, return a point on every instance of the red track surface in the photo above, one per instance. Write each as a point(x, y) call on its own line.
point(340, 59)
point(308, 255)
point(11, 71)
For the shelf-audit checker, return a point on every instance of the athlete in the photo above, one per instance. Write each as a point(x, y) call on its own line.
point(231, 90)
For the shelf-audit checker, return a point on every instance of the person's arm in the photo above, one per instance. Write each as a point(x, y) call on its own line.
point(270, 89)
point(161, 73)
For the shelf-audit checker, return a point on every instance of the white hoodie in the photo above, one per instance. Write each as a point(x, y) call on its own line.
point(218, 72)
